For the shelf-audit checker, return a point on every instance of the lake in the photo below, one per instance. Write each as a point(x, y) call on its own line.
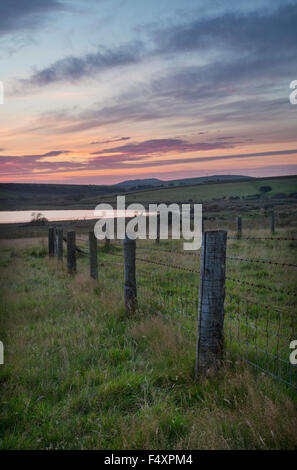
point(11, 217)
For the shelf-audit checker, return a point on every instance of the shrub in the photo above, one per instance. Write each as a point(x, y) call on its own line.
point(38, 219)
point(265, 189)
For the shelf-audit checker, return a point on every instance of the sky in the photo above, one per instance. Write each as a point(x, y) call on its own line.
point(101, 91)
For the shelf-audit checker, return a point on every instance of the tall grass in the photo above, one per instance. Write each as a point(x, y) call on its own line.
point(81, 374)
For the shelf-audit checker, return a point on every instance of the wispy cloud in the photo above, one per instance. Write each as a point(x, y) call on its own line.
point(72, 68)
point(246, 40)
point(162, 146)
point(121, 161)
point(109, 141)
point(29, 165)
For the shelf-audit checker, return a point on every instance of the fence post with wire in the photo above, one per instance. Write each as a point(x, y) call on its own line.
point(130, 290)
point(93, 255)
point(211, 301)
point(71, 253)
point(51, 242)
point(60, 244)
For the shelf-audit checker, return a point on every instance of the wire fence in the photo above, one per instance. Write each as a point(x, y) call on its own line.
point(254, 332)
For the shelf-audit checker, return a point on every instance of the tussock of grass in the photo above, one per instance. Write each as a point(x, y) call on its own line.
point(81, 374)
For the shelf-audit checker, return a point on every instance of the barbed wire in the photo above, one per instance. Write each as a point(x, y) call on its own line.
point(264, 261)
point(262, 238)
point(258, 286)
point(234, 297)
point(232, 258)
point(238, 281)
point(157, 250)
point(196, 271)
point(182, 268)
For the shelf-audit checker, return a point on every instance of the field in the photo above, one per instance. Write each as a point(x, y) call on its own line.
point(66, 196)
point(207, 192)
point(80, 373)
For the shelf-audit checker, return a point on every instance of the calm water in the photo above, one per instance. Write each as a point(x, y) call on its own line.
point(10, 217)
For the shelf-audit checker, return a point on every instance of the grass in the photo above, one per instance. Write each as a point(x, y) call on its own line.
point(79, 373)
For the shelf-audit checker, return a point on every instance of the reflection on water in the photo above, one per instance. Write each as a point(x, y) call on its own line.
point(11, 217)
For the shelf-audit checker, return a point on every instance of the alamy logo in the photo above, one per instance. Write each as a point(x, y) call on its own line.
point(137, 222)
point(1, 92)
point(293, 95)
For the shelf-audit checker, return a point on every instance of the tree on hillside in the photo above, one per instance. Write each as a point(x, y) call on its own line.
point(265, 189)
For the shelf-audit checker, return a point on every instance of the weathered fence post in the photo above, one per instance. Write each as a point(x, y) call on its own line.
point(51, 241)
point(211, 301)
point(158, 228)
point(60, 244)
point(71, 253)
point(93, 255)
point(130, 290)
point(239, 227)
point(272, 224)
point(55, 240)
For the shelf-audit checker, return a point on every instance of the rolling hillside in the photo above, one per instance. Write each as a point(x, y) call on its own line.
point(48, 196)
point(280, 187)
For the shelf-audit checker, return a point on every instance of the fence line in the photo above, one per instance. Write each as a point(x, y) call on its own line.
point(264, 238)
point(238, 281)
point(257, 333)
point(233, 258)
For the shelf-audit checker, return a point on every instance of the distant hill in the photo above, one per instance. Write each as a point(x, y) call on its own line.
point(273, 188)
point(148, 182)
point(155, 182)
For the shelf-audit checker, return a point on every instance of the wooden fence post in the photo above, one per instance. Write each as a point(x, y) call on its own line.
point(55, 240)
point(51, 241)
point(130, 290)
point(239, 227)
point(60, 244)
point(158, 228)
point(93, 255)
point(71, 253)
point(211, 301)
point(272, 224)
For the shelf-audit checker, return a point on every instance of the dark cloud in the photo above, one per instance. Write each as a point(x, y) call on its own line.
point(11, 165)
point(74, 68)
point(162, 146)
point(247, 42)
point(19, 15)
point(109, 141)
point(203, 92)
point(271, 32)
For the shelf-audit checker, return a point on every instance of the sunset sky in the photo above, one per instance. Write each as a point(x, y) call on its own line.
point(100, 91)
